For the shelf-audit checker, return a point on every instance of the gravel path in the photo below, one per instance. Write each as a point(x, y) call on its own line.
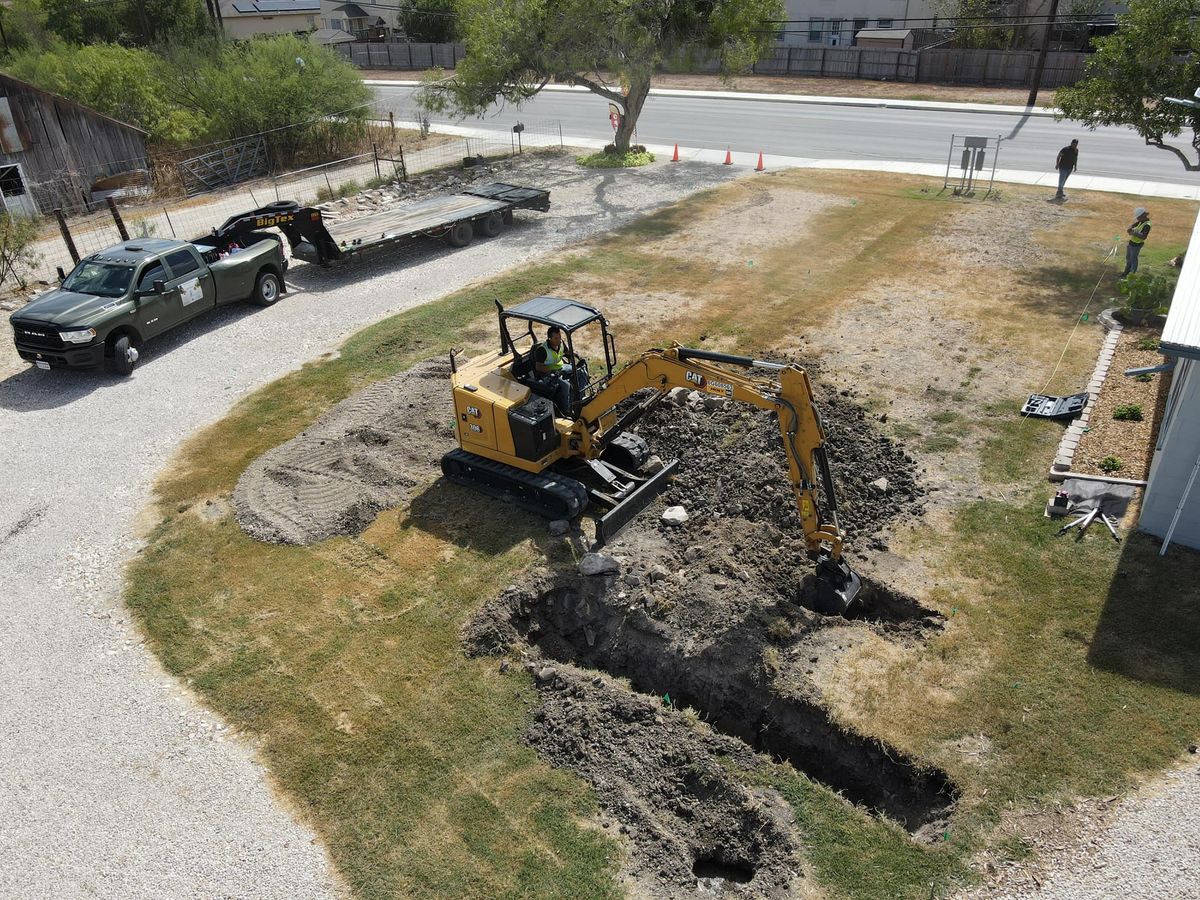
point(115, 781)
point(1145, 846)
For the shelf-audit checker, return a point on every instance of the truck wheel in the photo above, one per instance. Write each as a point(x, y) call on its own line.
point(460, 234)
point(266, 289)
point(124, 355)
point(489, 226)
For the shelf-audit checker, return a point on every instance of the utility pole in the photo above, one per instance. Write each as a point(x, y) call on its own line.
point(1041, 60)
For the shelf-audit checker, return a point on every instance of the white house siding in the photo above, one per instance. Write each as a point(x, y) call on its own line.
point(820, 16)
point(1174, 459)
point(239, 27)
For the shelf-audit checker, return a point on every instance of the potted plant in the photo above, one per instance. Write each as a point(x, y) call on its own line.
point(1146, 294)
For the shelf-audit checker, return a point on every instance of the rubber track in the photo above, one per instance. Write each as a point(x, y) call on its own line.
point(553, 496)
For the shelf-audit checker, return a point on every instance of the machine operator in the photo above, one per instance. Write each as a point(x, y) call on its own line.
point(557, 368)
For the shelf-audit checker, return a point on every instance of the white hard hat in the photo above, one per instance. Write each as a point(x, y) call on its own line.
point(1139, 211)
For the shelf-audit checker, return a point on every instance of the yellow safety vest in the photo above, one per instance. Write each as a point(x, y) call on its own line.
point(554, 358)
point(1140, 238)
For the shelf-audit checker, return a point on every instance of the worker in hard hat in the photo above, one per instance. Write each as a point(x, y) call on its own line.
point(1138, 232)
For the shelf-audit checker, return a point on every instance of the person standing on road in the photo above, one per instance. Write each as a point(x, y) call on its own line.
point(1138, 232)
point(1067, 162)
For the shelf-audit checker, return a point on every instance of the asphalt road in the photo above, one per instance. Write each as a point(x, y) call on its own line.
point(840, 132)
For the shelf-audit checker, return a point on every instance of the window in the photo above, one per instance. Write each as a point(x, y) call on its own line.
point(152, 273)
point(99, 279)
point(181, 262)
point(816, 25)
point(10, 181)
point(835, 32)
point(885, 23)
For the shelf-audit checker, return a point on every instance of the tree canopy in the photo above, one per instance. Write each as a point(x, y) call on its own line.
point(1154, 53)
point(432, 21)
point(611, 47)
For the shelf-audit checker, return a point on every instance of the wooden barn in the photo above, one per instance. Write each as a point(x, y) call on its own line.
point(53, 151)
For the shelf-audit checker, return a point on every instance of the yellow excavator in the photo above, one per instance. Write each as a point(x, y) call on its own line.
point(517, 444)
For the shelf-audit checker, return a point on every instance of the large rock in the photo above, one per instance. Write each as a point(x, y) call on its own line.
point(675, 515)
point(598, 564)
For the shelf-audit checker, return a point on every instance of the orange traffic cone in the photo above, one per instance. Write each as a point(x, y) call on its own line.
point(675, 155)
point(760, 167)
point(728, 158)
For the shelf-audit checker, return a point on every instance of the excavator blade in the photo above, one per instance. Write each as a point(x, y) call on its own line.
point(626, 511)
point(836, 586)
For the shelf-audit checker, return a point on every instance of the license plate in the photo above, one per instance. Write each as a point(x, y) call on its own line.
point(41, 364)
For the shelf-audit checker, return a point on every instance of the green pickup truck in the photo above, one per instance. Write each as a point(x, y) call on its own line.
point(115, 300)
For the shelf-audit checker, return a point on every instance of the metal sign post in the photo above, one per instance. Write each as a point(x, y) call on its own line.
point(973, 153)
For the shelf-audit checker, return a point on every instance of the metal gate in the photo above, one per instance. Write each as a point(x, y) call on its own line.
point(229, 165)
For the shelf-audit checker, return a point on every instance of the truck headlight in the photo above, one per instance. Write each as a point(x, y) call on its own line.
point(78, 337)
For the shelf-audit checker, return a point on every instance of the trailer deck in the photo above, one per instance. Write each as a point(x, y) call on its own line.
point(411, 219)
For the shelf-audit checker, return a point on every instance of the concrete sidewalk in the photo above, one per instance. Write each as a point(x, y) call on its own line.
point(811, 99)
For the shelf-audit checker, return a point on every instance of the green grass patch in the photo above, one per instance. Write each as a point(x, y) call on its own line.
point(1128, 412)
point(627, 160)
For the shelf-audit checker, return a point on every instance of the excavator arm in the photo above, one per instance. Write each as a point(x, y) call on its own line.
point(789, 394)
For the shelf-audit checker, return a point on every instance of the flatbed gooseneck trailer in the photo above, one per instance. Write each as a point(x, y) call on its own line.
point(458, 218)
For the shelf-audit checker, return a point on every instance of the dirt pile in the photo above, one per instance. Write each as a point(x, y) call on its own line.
point(366, 454)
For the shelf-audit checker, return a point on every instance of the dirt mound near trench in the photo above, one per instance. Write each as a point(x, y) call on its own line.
point(366, 454)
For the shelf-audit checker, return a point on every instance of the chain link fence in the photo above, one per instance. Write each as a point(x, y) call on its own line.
point(146, 213)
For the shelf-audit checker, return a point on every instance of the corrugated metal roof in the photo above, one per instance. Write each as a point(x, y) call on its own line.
point(1181, 337)
point(330, 36)
point(897, 34)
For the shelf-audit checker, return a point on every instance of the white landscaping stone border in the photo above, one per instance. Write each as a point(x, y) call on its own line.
point(1070, 440)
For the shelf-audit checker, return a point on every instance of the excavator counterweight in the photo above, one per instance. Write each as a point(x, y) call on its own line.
point(520, 439)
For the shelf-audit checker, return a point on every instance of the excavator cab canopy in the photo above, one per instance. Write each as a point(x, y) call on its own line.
point(569, 315)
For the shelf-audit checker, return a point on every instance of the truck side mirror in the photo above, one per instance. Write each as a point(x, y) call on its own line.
point(160, 287)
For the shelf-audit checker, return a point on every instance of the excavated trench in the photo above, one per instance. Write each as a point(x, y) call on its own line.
point(724, 683)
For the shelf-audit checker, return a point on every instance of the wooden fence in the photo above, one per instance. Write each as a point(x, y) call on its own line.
point(995, 68)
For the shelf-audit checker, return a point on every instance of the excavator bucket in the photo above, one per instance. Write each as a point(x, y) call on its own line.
point(836, 586)
point(626, 511)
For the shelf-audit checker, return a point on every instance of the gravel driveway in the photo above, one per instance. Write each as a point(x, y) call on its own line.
point(115, 781)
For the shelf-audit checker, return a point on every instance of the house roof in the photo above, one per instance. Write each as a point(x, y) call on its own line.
point(276, 7)
point(330, 36)
point(1181, 336)
point(352, 10)
point(7, 80)
point(886, 34)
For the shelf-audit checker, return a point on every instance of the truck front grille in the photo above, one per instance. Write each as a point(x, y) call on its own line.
point(37, 336)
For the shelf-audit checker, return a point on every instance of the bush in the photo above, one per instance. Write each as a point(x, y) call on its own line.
point(1148, 344)
point(1110, 464)
point(1129, 412)
point(16, 249)
point(1144, 378)
point(1147, 290)
point(608, 158)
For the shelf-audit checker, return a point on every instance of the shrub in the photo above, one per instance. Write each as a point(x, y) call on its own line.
point(16, 249)
point(1129, 412)
point(637, 156)
point(1148, 343)
point(1111, 464)
point(1145, 377)
point(1147, 290)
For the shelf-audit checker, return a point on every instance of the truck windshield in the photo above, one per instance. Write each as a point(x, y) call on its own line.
point(101, 279)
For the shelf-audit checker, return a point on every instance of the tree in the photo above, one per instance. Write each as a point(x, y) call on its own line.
point(431, 21)
point(140, 22)
point(1154, 53)
point(611, 47)
point(123, 82)
point(269, 85)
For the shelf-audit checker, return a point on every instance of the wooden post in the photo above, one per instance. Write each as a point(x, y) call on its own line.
point(375, 155)
point(170, 224)
point(821, 71)
point(788, 71)
point(116, 214)
point(66, 236)
point(392, 121)
point(403, 165)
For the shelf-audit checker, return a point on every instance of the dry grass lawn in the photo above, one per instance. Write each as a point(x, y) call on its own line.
point(940, 314)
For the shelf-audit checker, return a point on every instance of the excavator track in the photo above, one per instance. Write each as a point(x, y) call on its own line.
point(550, 494)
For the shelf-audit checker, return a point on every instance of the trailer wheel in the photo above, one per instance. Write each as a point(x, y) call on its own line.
point(266, 289)
point(489, 226)
point(282, 205)
point(460, 234)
